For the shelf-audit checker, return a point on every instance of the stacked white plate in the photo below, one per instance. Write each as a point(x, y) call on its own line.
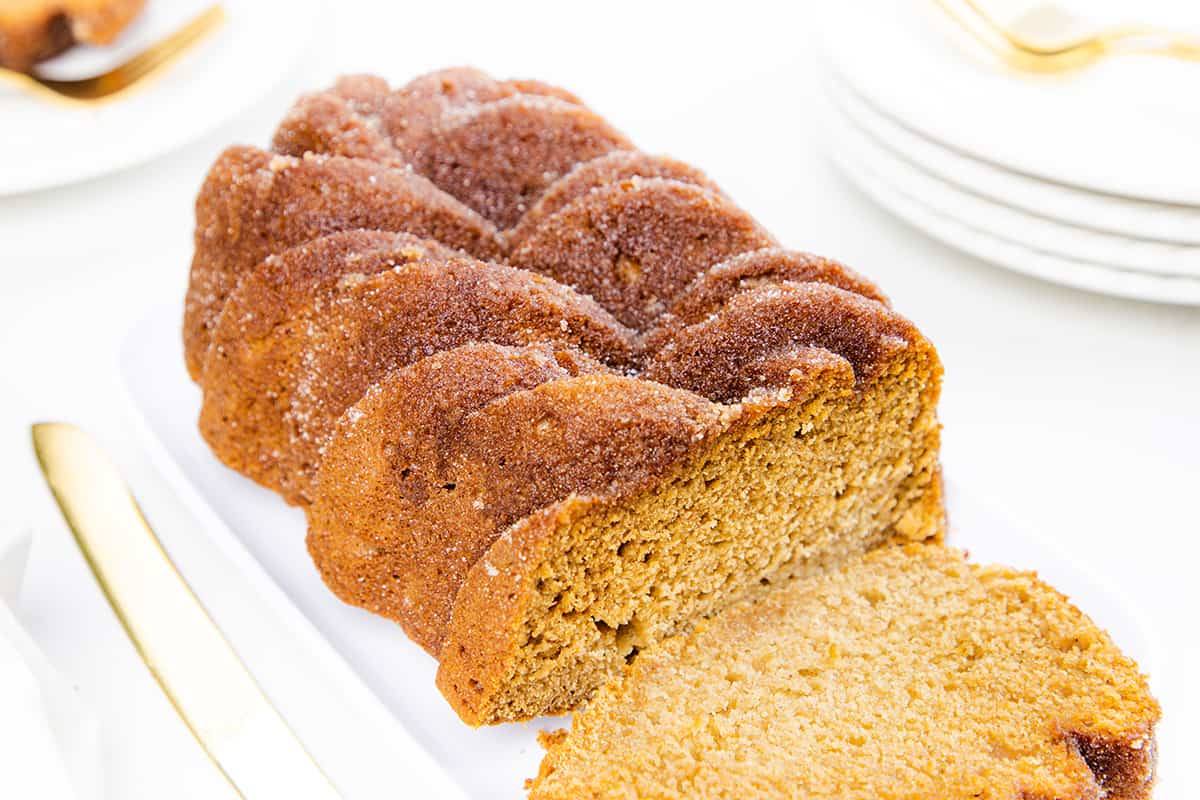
point(1090, 179)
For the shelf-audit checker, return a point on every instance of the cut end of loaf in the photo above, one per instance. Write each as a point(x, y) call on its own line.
point(907, 673)
point(796, 483)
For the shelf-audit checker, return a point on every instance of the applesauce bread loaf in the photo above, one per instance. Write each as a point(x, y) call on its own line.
point(907, 673)
point(455, 377)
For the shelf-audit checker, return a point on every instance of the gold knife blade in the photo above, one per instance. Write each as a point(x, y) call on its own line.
point(202, 676)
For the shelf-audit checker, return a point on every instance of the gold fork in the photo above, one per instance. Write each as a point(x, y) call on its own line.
point(1047, 38)
point(151, 61)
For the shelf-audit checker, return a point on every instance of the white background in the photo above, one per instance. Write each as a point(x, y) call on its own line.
point(1078, 413)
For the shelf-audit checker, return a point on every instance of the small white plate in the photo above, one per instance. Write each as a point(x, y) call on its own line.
point(46, 144)
point(1005, 221)
point(988, 230)
point(266, 538)
point(1140, 219)
point(1126, 126)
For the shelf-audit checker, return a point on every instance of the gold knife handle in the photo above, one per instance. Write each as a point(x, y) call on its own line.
point(203, 677)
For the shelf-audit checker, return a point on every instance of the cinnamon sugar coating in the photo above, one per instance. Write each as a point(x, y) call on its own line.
point(389, 313)
point(634, 244)
point(499, 157)
point(741, 345)
point(444, 478)
point(418, 109)
point(713, 288)
point(253, 204)
point(344, 120)
point(610, 168)
point(249, 372)
point(469, 133)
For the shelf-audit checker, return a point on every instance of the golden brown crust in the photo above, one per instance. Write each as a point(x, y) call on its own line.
point(612, 167)
point(343, 120)
point(449, 126)
point(35, 30)
point(414, 112)
point(411, 421)
point(715, 287)
point(390, 312)
point(635, 244)
point(499, 157)
point(454, 477)
point(254, 203)
point(1123, 766)
point(249, 372)
point(748, 342)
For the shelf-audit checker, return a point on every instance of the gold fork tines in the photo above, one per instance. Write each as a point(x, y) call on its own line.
point(151, 61)
point(1067, 50)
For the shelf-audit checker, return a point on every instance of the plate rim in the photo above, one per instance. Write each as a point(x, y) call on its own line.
point(1015, 257)
point(835, 46)
point(941, 160)
point(85, 170)
point(1000, 219)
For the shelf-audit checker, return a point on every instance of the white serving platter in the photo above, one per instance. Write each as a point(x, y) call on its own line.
point(374, 660)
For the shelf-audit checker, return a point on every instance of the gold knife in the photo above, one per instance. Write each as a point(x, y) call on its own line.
point(202, 676)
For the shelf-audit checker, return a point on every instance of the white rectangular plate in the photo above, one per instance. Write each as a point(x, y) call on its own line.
point(266, 538)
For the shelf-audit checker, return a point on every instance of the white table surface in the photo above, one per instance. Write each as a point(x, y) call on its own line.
point(1078, 413)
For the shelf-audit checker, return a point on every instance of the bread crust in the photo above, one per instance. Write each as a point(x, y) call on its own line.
point(715, 287)
point(273, 400)
point(360, 116)
point(254, 204)
point(456, 478)
point(634, 244)
point(248, 374)
point(591, 175)
point(499, 157)
point(757, 333)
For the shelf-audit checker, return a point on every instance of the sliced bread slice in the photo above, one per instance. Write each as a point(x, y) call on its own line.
point(908, 673)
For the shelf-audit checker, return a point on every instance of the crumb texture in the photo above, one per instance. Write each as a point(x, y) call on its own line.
point(905, 674)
